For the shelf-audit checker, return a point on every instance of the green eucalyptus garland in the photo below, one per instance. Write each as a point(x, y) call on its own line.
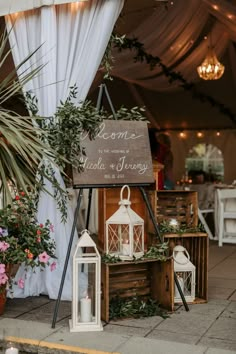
point(135, 307)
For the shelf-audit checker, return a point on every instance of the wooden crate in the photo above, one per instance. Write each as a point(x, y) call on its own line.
point(179, 205)
point(108, 199)
point(148, 279)
point(197, 245)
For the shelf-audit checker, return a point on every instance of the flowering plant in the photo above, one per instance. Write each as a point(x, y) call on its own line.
point(22, 238)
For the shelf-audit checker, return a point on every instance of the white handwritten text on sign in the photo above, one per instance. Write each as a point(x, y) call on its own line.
point(120, 153)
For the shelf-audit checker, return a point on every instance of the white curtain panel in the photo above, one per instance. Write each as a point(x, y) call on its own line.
point(73, 38)
point(12, 6)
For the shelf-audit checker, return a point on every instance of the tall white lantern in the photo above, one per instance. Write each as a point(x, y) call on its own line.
point(125, 231)
point(86, 292)
point(186, 273)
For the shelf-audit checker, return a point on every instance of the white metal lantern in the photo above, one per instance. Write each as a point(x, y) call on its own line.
point(185, 271)
point(125, 231)
point(86, 292)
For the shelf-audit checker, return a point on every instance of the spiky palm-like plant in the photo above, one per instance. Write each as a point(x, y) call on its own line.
point(22, 146)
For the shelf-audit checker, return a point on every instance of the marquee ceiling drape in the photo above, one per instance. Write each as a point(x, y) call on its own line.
point(176, 36)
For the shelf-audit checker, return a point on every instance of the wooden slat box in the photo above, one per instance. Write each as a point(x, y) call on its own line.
point(197, 245)
point(179, 205)
point(148, 279)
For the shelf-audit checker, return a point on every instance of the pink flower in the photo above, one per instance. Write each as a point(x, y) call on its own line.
point(51, 227)
point(3, 279)
point(38, 232)
point(38, 239)
point(53, 266)
point(41, 225)
point(2, 268)
point(30, 255)
point(44, 257)
point(4, 246)
point(21, 283)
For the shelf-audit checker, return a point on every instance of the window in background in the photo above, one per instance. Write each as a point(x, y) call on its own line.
point(205, 163)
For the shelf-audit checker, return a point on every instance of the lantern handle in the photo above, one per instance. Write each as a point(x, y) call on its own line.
point(121, 192)
point(187, 254)
point(83, 231)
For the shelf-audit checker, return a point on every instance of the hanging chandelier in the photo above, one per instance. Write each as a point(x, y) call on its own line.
point(211, 68)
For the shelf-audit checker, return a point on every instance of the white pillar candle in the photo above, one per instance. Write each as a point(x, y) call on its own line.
point(181, 283)
point(85, 310)
point(12, 350)
point(125, 249)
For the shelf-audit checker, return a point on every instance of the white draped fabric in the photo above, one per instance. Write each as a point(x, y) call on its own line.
point(73, 37)
point(12, 6)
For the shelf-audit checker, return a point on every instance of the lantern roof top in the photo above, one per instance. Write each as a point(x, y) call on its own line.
point(125, 215)
point(184, 267)
point(85, 241)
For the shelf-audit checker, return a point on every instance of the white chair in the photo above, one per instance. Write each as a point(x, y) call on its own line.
point(226, 215)
point(201, 215)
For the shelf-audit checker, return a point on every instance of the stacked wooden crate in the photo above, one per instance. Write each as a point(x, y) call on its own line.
point(183, 206)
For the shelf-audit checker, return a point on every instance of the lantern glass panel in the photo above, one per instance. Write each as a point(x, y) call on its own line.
point(118, 238)
point(87, 290)
point(185, 280)
point(138, 238)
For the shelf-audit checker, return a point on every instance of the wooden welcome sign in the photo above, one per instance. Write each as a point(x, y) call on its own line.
point(119, 154)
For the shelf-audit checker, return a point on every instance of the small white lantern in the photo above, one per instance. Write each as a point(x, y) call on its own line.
point(185, 271)
point(125, 231)
point(86, 292)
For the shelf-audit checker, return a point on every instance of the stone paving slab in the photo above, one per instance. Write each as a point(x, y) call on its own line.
point(45, 312)
point(220, 293)
point(100, 341)
point(187, 323)
point(146, 322)
point(219, 254)
point(125, 330)
point(173, 337)
point(223, 328)
point(217, 351)
point(218, 344)
point(230, 311)
point(150, 346)
point(226, 270)
point(212, 309)
point(217, 282)
point(233, 296)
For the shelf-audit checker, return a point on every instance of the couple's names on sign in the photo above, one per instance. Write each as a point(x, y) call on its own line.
point(120, 153)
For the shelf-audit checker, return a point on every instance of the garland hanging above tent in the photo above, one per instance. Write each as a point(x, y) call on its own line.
point(123, 43)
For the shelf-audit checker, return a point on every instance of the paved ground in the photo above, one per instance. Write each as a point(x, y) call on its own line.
point(207, 328)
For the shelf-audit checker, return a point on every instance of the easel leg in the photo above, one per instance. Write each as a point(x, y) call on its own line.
point(161, 240)
point(89, 207)
point(181, 292)
point(67, 258)
point(151, 213)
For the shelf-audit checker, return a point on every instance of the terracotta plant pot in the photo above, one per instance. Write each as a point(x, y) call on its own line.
point(3, 300)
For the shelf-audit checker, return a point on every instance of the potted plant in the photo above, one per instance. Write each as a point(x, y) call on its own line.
point(23, 240)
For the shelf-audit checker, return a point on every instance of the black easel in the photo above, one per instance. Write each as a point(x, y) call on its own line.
point(76, 214)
